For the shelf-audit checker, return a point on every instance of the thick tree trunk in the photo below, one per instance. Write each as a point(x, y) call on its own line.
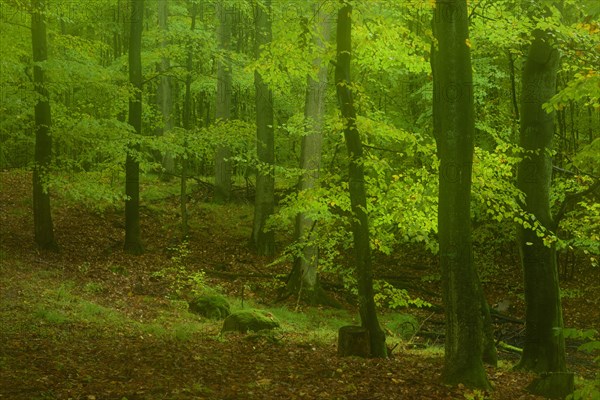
point(223, 103)
point(164, 96)
point(304, 278)
point(42, 217)
point(263, 240)
point(454, 127)
point(133, 241)
point(544, 349)
point(358, 197)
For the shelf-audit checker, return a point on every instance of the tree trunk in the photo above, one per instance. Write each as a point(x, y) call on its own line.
point(304, 278)
point(223, 103)
point(489, 352)
point(358, 197)
point(454, 127)
point(544, 349)
point(42, 216)
point(263, 240)
point(186, 122)
point(164, 96)
point(133, 241)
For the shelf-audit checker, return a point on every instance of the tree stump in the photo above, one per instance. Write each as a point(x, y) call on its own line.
point(553, 385)
point(353, 341)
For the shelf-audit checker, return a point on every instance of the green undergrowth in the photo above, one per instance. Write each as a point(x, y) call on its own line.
point(45, 303)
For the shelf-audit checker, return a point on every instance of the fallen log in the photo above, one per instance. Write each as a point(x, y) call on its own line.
point(507, 347)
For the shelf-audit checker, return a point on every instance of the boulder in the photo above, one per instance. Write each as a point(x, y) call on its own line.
point(249, 320)
point(210, 306)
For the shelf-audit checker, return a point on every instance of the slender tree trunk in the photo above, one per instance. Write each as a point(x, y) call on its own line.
point(187, 115)
point(544, 349)
point(489, 353)
point(358, 197)
point(454, 126)
point(117, 39)
point(164, 96)
point(590, 111)
point(133, 241)
point(263, 240)
point(223, 103)
point(42, 216)
point(303, 279)
point(513, 86)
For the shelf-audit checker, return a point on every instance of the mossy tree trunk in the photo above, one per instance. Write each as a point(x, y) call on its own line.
point(42, 216)
point(223, 102)
point(133, 241)
point(303, 279)
point(263, 239)
point(544, 349)
point(358, 197)
point(454, 127)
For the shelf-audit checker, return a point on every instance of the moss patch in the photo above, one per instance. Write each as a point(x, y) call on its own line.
point(249, 320)
point(213, 306)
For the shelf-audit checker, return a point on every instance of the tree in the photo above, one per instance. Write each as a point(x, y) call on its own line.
point(263, 240)
point(544, 349)
point(133, 242)
point(164, 98)
point(356, 184)
point(223, 102)
point(42, 216)
point(186, 122)
point(454, 127)
point(303, 279)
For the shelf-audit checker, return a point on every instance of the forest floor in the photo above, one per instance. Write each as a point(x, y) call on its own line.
point(94, 323)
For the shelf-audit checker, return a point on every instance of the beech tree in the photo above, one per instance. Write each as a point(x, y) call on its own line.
point(223, 101)
point(42, 216)
point(263, 239)
point(454, 127)
point(133, 241)
point(164, 93)
point(303, 279)
point(187, 125)
point(544, 349)
point(356, 185)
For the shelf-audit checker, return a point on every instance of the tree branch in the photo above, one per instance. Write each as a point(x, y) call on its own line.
point(570, 198)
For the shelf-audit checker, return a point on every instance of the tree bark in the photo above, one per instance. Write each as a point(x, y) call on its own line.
point(454, 127)
point(544, 349)
point(133, 241)
point(223, 103)
point(303, 279)
point(358, 197)
point(42, 216)
point(263, 240)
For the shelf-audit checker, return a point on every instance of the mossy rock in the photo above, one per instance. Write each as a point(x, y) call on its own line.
point(249, 320)
point(213, 306)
